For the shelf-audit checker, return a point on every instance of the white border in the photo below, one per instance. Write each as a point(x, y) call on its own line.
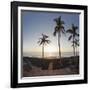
point(59, 77)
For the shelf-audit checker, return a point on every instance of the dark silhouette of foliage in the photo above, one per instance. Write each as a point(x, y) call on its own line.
point(43, 41)
point(73, 34)
point(59, 28)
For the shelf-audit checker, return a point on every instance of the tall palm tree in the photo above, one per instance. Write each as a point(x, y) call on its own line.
point(73, 34)
point(76, 44)
point(59, 28)
point(43, 41)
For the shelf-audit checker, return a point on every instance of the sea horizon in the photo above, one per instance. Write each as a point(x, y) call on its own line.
point(48, 54)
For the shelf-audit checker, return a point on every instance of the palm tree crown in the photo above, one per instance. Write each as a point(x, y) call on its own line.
point(72, 31)
point(73, 34)
point(59, 26)
point(43, 41)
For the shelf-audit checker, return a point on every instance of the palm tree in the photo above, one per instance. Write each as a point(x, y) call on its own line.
point(74, 34)
point(76, 45)
point(43, 41)
point(59, 28)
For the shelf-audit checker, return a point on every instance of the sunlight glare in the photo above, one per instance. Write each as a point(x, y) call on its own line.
point(50, 49)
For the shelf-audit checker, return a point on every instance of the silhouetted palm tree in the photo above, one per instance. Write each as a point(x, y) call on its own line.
point(59, 28)
point(76, 44)
point(43, 41)
point(73, 32)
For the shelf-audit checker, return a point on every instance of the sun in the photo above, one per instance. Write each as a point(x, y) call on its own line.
point(50, 49)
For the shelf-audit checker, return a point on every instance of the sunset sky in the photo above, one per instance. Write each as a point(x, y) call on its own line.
point(34, 23)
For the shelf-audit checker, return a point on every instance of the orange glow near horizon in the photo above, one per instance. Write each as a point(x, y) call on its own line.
point(48, 49)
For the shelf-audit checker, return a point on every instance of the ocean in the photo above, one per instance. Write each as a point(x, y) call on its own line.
point(47, 54)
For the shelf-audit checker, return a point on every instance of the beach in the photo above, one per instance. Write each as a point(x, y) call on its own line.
point(33, 66)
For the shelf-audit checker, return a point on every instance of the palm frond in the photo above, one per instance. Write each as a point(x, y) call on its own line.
point(62, 27)
point(54, 33)
point(56, 20)
point(70, 37)
point(76, 42)
point(72, 45)
point(38, 41)
point(56, 28)
point(43, 40)
point(48, 41)
point(63, 30)
point(62, 22)
point(41, 43)
point(70, 31)
point(75, 27)
point(77, 34)
point(44, 36)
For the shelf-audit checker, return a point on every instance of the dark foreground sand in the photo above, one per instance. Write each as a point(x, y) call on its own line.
point(53, 66)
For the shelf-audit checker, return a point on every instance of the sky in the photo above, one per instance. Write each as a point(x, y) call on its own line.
point(34, 23)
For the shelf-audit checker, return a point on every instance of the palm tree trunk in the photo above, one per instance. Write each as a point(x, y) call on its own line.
point(42, 50)
point(59, 45)
point(73, 47)
point(76, 50)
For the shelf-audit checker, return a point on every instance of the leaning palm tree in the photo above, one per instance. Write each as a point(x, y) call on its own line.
point(73, 34)
point(43, 41)
point(59, 28)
